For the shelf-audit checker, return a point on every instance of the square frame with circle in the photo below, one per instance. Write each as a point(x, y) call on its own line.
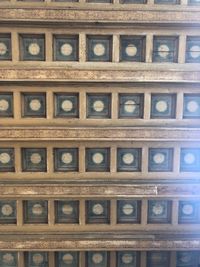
point(37, 43)
point(28, 166)
point(128, 216)
point(194, 107)
point(158, 259)
point(34, 105)
point(163, 216)
point(41, 208)
point(105, 259)
point(5, 47)
point(6, 104)
point(193, 164)
point(67, 211)
point(128, 166)
point(68, 166)
point(66, 105)
point(170, 43)
point(7, 159)
point(104, 49)
point(29, 256)
point(8, 254)
point(166, 165)
point(191, 256)
point(191, 216)
point(103, 103)
point(132, 48)
point(103, 210)
point(165, 99)
point(127, 256)
point(8, 212)
point(103, 166)
point(63, 45)
point(63, 256)
point(133, 103)
point(194, 56)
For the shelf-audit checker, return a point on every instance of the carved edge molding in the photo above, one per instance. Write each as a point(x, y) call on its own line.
point(92, 134)
point(103, 190)
point(90, 15)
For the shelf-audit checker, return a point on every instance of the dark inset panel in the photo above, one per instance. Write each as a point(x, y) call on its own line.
point(67, 211)
point(158, 259)
point(6, 104)
point(163, 106)
point(189, 212)
point(97, 259)
point(128, 211)
point(99, 48)
point(5, 47)
point(97, 211)
point(190, 160)
point(34, 160)
point(34, 105)
point(66, 48)
point(36, 259)
point(8, 259)
point(192, 49)
point(128, 259)
point(187, 259)
point(191, 106)
point(160, 159)
point(159, 211)
point(132, 48)
point(97, 159)
point(8, 212)
point(131, 105)
point(98, 106)
point(133, 1)
point(129, 159)
point(7, 160)
point(32, 47)
point(66, 105)
point(167, 2)
point(67, 259)
point(35, 211)
point(165, 49)
point(65, 159)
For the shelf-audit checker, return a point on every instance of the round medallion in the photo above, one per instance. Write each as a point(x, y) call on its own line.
point(163, 51)
point(127, 258)
point(129, 106)
point(157, 209)
point(38, 258)
point(37, 209)
point(67, 209)
point(98, 209)
point(5, 158)
point(159, 158)
point(97, 258)
point(185, 257)
point(131, 50)
point(67, 105)
point(7, 210)
point(67, 158)
point(4, 105)
point(189, 158)
point(34, 49)
point(161, 106)
point(98, 106)
point(8, 258)
point(35, 104)
point(68, 258)
point(128, 158)
point(66, 49)
point(187, 209)
point(3, 49)
point(195, 51)
point(35, 158)
point(99, 50)
point(128, 209)
point(192, 106)
point(97, 158)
